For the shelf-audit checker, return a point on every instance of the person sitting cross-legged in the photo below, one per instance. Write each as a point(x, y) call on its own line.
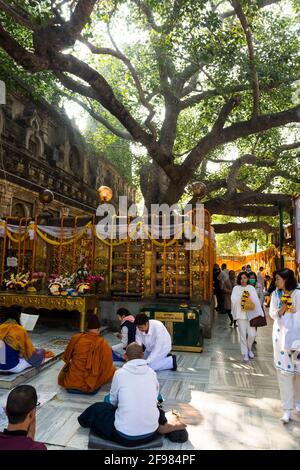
point(88, 361)
point(154, 336)
point(17, 352)
point(131, 417)
point(21, 412)
point(127, 334)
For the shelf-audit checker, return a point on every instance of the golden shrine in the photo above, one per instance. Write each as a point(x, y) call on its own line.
point(81, 304)
point(135, 266)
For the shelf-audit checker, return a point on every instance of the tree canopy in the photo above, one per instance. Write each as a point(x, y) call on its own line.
point(190, 80)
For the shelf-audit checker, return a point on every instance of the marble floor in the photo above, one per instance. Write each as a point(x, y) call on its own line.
point(226, 403)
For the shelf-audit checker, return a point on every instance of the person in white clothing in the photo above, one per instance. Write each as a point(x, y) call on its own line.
point(260, 277)
point(154, 336)
point(126, 336)
point(253, 281)
point(285, 311)
point(131, 417)
point(243, 315)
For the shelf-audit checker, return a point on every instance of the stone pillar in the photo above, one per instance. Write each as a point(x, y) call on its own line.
point(5, 198)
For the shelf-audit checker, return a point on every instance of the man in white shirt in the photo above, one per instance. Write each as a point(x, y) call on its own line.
point(260, 278)
point(154, 336)
point(131, 417)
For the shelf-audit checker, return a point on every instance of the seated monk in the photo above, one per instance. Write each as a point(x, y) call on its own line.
point(88, 361)
point(17, 352)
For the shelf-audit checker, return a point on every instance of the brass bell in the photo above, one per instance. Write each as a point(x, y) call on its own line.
point(105, 193)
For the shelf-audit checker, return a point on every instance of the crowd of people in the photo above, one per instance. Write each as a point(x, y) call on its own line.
point(145, 348)
point(244, 299)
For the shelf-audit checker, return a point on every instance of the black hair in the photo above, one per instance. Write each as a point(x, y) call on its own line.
point(272, 285)
point(123, 312)
point(13, 313)
point(141, 319)
point(224, 266)
point(252, 273)
point(261, 268)
point(242, 273)
point(20, 402)
point(248, 266)
point(289, 278)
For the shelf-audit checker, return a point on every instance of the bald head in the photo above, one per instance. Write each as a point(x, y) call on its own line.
point(134, 351)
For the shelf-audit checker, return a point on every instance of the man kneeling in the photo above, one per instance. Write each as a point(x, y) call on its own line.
point(154, 336)
point(88, 361)
point(132, 417)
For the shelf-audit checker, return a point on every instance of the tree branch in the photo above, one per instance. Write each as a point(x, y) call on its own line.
point(146, 10)
point(191, 85)
point(55, 38)
point(119, 133)
point(262, 4)
point(17, 15)
point(275, 174)
point(261, 198)
point(224, 113)
point(28, 60)
point(244, 226)
point(205, 95)
point(234, 132)
point(285, 148)
point(249, 159)
point(254, 77)
point(217, 206)
point(119, 55)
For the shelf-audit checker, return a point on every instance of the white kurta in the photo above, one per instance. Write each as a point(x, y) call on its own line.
point(247, 332)
point(158, 345)
point(282, 356)
point(236, 297)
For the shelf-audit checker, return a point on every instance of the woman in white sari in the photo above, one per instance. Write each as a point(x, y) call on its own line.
point(285, 311)
point(243, 315)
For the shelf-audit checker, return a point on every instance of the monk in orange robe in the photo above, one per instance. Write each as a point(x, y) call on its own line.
point(88, 361)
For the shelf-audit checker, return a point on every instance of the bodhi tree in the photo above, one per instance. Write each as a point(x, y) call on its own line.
point(205, 74)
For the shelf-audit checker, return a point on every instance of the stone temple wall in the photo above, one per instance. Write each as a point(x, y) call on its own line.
point(41, 148)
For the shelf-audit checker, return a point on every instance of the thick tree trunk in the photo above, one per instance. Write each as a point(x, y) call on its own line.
point(154, 184)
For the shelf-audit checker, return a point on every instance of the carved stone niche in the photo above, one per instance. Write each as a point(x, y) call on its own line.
point(33, 140)
point(75, 161)
point(20, 168)
point(31, 172)
point(41, 178)
point(21, 208)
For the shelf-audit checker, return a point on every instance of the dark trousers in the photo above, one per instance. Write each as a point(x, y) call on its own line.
point(219, 295)
point(229, 315)
point(100, 418)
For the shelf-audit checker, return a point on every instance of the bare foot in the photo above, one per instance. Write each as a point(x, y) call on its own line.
point(168, 427)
